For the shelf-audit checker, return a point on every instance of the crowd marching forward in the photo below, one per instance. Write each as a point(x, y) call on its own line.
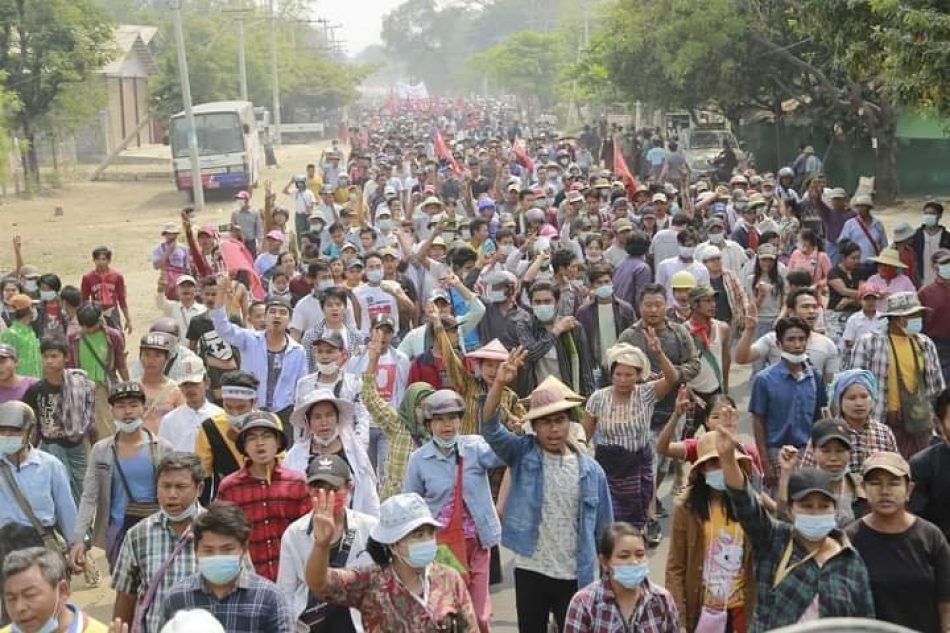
point(453, 334)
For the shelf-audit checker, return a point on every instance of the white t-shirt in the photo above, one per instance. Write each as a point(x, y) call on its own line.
point(374, 300)
point(180, 425)
point(308, 313)
point(303, 202)
point(821, 350)
point(665, 245)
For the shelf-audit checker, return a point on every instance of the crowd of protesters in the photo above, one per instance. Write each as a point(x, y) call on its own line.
point(451, 335)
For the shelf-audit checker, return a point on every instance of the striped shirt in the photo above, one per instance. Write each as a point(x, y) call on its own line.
point(624, 423)
point(594, 609)
point(255, 605)
point(270, 507)
point(146, 546)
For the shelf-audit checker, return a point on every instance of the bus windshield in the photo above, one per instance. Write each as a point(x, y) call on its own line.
point(218, 133)
point(707, 139)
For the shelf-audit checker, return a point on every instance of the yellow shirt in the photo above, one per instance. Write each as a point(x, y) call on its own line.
point(905, 362)
point(203, 446)
point(90, 625)
point(722, 570)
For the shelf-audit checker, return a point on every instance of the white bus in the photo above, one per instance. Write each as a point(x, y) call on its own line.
point(230, 152)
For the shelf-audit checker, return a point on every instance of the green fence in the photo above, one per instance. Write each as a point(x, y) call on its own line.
point(923, 164)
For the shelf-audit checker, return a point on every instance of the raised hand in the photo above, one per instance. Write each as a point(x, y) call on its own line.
point(788, 458)
point(725, 443)
point(375, 346)
point(653, 342)
point(118, 626)
point(508, 369)
point(683, 400)
point(323, 525)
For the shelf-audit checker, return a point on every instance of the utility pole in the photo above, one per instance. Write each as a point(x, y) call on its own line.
point(242, 66)
point(197, 189)
point(273, 71)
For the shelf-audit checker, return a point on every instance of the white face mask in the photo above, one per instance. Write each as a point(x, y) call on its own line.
point(328, 368)
point(323, 442)
point(717, 238)
point(794, 358)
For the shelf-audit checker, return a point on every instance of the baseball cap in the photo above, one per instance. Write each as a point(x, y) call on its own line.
point(356, 262)
point(805, 481)
point(701, 292)
point(940, 256)
point(388, 251)
point(441, 402)
point(869, 289)
point(348, 245)
point(384, 319)
point(330, 338)
point(126, 389)
point(622, 225)
point(192, 370)
point(157, 340)
point(888, 461)
point(659, 197)
point(826, 430)
point(711, 252)
point(437, 294)
point(170, 227)
point(329, 469)
point(486, 203)
point(185, 279)
point(276, 234)
point(8, 351)
point(29, 270)
point(575, 196)
point(243, 195)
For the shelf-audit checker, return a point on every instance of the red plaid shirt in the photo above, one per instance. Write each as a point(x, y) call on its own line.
point(270, 507)
point(594, 609)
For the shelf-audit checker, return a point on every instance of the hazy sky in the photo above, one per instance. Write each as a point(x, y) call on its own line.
point(360, 20)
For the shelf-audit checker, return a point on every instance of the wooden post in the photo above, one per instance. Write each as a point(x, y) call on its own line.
point(121, 147)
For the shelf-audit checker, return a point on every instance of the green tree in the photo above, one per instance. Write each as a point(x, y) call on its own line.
point(45, 47)
point(528, 65)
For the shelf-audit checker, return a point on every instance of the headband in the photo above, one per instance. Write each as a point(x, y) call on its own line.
point(236, 391)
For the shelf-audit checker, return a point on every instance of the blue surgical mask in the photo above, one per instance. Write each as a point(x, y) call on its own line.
point(385, 225)
point(943, 270)
point(794, 358)
point(325, 284)
point(50, 626)
point(221, 569)
point(815, 527)
point(496, 296)
point(630, 576)
point(185, 515)
point(10, 445)
point(604, 292)
point(686, 252)
point(127, 427)
point(47, 295)
point(716, 479)
point(374, 276)
point(421, 553)
point(929, 220)
point(914, 325)
point(445, 444)
point(545, 314)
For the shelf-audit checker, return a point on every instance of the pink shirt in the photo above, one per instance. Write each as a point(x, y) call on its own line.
point(817, 263)
point(901, 283)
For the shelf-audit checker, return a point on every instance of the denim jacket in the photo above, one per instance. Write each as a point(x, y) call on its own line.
point(432, 475)
point(522, 519)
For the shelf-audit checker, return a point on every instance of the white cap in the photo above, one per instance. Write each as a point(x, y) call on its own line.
point(659, 197)
point(709, 252)
point(192, 370)
point(399, 515)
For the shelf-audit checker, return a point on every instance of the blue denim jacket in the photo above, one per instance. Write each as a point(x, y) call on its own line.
point(519, 527)
point(432, 475)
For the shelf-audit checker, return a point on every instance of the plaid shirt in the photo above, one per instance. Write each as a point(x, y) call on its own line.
point(871, 438)
point(841, 584)
point(270, 506)
point(594, 609)
point(255, 605)
point(871, 353)
point(146, 546)
point(400, 441)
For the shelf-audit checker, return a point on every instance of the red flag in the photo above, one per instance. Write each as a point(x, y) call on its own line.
point(237, 257)
point(442, 151)
point(391, 104)
point(521, 153)
point(621, 169)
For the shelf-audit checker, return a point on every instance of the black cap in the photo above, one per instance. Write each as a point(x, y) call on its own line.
point(261, 420)
point(238, 378)
point(805, 481)
point(826, 430)
point(125, 390)
point(274, 300)
point(328, 468)
point(330, 338)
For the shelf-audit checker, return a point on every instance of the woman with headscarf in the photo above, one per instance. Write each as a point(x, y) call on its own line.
point(327, 425)
point(403, 428)
point(852, 399)
point(620, 415)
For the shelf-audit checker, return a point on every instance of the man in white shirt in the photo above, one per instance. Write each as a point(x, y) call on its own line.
point(685, 260)
point(733, 255)
point(664, 244)
point(180, 425)
point(185, 307)
point(821, 350)
point(372, 298)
